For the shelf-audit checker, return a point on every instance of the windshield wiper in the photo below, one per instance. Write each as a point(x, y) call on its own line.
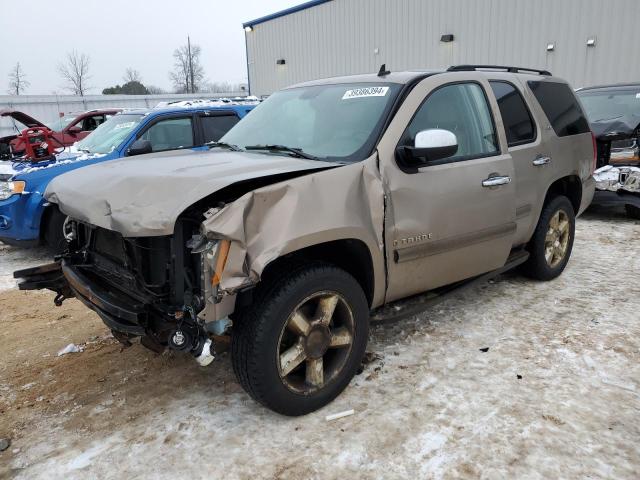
point(298, 152)
point(235, 148)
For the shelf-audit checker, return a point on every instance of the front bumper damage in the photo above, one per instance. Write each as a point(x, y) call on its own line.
point(617, 185)
point(175, 288)
point(614, 178)
point(126, 316)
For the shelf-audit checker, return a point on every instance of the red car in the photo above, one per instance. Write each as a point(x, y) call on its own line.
point(65, 131)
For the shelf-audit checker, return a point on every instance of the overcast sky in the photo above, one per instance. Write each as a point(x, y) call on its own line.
point(117, 34)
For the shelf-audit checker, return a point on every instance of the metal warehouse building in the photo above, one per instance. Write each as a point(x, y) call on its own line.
point(585, 41)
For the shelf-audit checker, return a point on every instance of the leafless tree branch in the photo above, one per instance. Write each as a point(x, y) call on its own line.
point(75, 72)
point(17, 81)
point(181, 74)
point(132, 75)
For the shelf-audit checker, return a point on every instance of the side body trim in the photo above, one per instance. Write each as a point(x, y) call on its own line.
point(415, 252)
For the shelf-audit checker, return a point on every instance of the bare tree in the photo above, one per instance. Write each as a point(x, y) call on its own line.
point(75, 72)
point(132, 75)
point(187, 75)
point(17, 81)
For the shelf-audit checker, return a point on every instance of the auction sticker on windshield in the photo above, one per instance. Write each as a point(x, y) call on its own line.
point(365, 92)
point(120, 126)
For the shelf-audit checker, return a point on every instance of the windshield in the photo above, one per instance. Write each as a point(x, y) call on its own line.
point(335, 122)
point(610, 104)
point(59, 124)
point(108, 136)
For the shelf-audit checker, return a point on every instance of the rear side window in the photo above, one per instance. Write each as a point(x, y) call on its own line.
point(214, 127)
point(170, 134)
point(518, 124)
point(561, 107)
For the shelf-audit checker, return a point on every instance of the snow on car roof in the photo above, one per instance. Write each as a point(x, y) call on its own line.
point(195, 104)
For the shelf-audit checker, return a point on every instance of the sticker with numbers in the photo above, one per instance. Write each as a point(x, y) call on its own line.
point(365, 92)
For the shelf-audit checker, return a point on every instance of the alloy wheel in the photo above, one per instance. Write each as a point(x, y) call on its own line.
point(315, 342)
point(556, 242)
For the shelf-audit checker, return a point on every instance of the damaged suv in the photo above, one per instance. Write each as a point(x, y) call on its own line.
point(332, 200)
point(614, 113)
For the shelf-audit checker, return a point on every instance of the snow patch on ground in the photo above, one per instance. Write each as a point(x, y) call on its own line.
point(554, 396)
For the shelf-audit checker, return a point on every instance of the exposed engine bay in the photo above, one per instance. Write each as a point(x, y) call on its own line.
point(148, 287)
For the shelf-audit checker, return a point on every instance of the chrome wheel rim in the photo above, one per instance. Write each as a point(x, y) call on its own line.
point(556, 243)
point(315, 342)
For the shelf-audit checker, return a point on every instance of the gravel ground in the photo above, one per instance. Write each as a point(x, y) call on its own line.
point(556, 395)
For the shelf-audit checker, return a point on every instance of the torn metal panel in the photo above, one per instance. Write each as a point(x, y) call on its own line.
point(618, 178)
point(143, 196)
point(269, 222)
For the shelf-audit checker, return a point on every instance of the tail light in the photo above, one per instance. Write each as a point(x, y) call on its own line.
point(595, 152)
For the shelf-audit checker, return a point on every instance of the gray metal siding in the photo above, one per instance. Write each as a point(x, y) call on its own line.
point(340, 37)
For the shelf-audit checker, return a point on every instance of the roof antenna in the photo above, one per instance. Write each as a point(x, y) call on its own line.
point(383, 70)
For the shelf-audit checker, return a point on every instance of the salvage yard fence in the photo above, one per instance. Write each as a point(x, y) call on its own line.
point(47, 108)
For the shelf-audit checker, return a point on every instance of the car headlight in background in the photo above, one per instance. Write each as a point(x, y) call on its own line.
point(625, 152)
point(7, 189)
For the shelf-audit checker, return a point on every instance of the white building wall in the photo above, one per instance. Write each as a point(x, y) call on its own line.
point(342, 37)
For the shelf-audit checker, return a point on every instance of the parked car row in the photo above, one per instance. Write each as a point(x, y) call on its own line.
point(65, 131)
point(27, 219)
point(331, 201)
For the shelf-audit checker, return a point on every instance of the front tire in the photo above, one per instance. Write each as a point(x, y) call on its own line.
point(302, 339)
point(552, 242)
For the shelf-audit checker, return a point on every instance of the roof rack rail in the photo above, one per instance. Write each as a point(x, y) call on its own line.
point(470, 68)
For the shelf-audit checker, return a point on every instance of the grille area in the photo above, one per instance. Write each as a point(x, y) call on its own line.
point(109, 244)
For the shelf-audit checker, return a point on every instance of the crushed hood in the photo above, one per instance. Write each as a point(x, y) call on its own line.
point(21, 117)
point(143, 196)
point(617, 128)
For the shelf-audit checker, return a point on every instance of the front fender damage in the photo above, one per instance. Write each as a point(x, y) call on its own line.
point(272, 221)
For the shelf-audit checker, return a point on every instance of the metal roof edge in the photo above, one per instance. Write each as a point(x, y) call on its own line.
point(282, 13)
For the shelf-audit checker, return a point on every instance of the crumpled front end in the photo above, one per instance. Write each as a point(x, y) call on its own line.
point(271, 222)
point(615, 178)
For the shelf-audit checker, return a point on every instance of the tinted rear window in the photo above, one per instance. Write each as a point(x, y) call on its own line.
point(561, 107)
point(515, 115)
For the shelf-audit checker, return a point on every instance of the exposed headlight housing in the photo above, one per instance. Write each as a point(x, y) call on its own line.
point(8, 189)
point(625, 152)
point(69, 230)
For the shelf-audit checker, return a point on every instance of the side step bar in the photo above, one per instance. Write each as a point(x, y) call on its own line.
point(405, 308)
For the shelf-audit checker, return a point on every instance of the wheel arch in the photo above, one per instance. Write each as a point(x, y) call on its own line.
point(570, 186)
point(350, 254)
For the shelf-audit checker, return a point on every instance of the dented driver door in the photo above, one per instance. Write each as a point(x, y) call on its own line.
point(453, 218)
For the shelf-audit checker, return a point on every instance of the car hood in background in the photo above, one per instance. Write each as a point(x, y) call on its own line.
point(143, 196)
point(21, 117)
point(617, 128)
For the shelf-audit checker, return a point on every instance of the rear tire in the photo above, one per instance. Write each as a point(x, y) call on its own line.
point(301, 341)
point(52, 234)
point(552, 241)
point(632, 211)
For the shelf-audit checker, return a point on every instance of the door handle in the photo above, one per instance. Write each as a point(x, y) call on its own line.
point(541, 161)
point(496, 181)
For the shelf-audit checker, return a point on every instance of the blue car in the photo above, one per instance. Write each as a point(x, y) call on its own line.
point(25, 217)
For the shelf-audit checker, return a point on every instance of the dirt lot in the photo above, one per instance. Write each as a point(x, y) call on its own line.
point(557, 394)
